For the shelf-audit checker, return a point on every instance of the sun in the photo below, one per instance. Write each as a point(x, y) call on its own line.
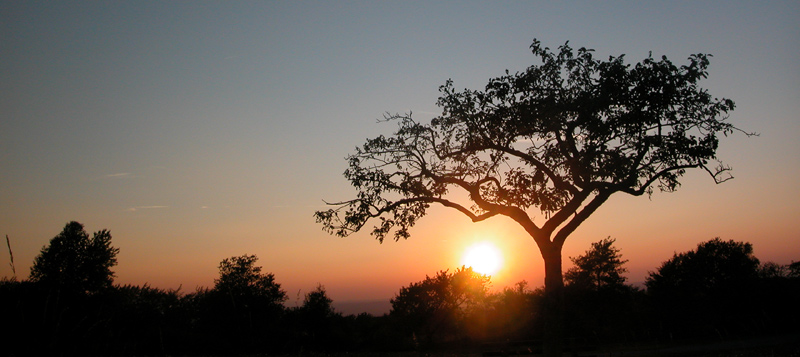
point(483, 257)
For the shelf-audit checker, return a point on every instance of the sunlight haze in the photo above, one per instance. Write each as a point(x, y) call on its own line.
point(484, 258)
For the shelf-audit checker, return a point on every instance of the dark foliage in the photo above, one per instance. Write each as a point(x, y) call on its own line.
point(711, 291)
point(317, 327)
point(119, 320)
point(717, 292)
point(242, 313)
point(511, 314)
point(75, 263)
point(601, 308)
point(600, 268)
point(441, 307)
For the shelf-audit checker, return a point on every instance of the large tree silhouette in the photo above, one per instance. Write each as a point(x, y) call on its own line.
point(545, 147)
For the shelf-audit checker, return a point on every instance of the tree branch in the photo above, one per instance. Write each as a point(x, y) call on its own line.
point(581, 216)
point(557, 181)
point(515, 213)
point(563, 214)
point(642, 189)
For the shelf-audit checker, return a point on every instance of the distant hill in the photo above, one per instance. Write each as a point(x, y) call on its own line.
point(372, 307)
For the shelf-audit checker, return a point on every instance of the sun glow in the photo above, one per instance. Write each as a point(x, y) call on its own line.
point(483, 257)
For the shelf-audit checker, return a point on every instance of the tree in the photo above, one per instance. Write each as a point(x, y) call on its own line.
point(545, 147)
point(706, 290)
point(772, 270)
point(715, 265)
point(240, 277)
point(599, 268)
point(317, 318)
point(76, 263)
point(437, 307)
point(600, 306)
point(317, 304)
point(794, 269)
point(243, 309)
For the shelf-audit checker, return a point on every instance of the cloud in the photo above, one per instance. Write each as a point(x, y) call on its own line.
point(118, 175)
point(134, 209)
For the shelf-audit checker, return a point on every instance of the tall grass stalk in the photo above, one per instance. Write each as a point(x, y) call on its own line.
point(11, 254)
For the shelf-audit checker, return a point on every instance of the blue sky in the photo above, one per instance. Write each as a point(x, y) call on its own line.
point(200, 130)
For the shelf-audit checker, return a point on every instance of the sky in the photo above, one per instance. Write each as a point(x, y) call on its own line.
point(200, 130)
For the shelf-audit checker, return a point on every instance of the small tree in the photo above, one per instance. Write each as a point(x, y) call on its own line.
point(599, 268)
point(600, 305)
point(436, 307)
point(772, 270)
point(239, 277)
point(76, 263)
point(545, 147)
point(317, 320)
point(244, 308)
point(317, 304)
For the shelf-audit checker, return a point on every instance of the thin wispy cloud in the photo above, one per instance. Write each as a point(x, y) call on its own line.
point(112, 176)
point(121, 174)
point(134, 209)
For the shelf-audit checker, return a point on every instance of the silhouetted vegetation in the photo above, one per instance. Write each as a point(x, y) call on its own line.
point(602, 309)
point(717, 292)
point(554, 141)
point(441, 308)
point(73, 263)
point(243, 312)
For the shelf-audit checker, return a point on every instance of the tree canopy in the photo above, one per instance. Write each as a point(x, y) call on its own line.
point(599, 268)
point(75, 262)
point(559, 137)
point(714, 267)
point(240, 277)
point(697, 291)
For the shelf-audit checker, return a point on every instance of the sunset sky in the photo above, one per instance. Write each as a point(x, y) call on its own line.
point(196, 131)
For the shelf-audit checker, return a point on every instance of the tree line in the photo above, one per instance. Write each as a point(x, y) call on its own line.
point(71, 306)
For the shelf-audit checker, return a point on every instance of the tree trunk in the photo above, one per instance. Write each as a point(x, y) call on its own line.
point(553, 317)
